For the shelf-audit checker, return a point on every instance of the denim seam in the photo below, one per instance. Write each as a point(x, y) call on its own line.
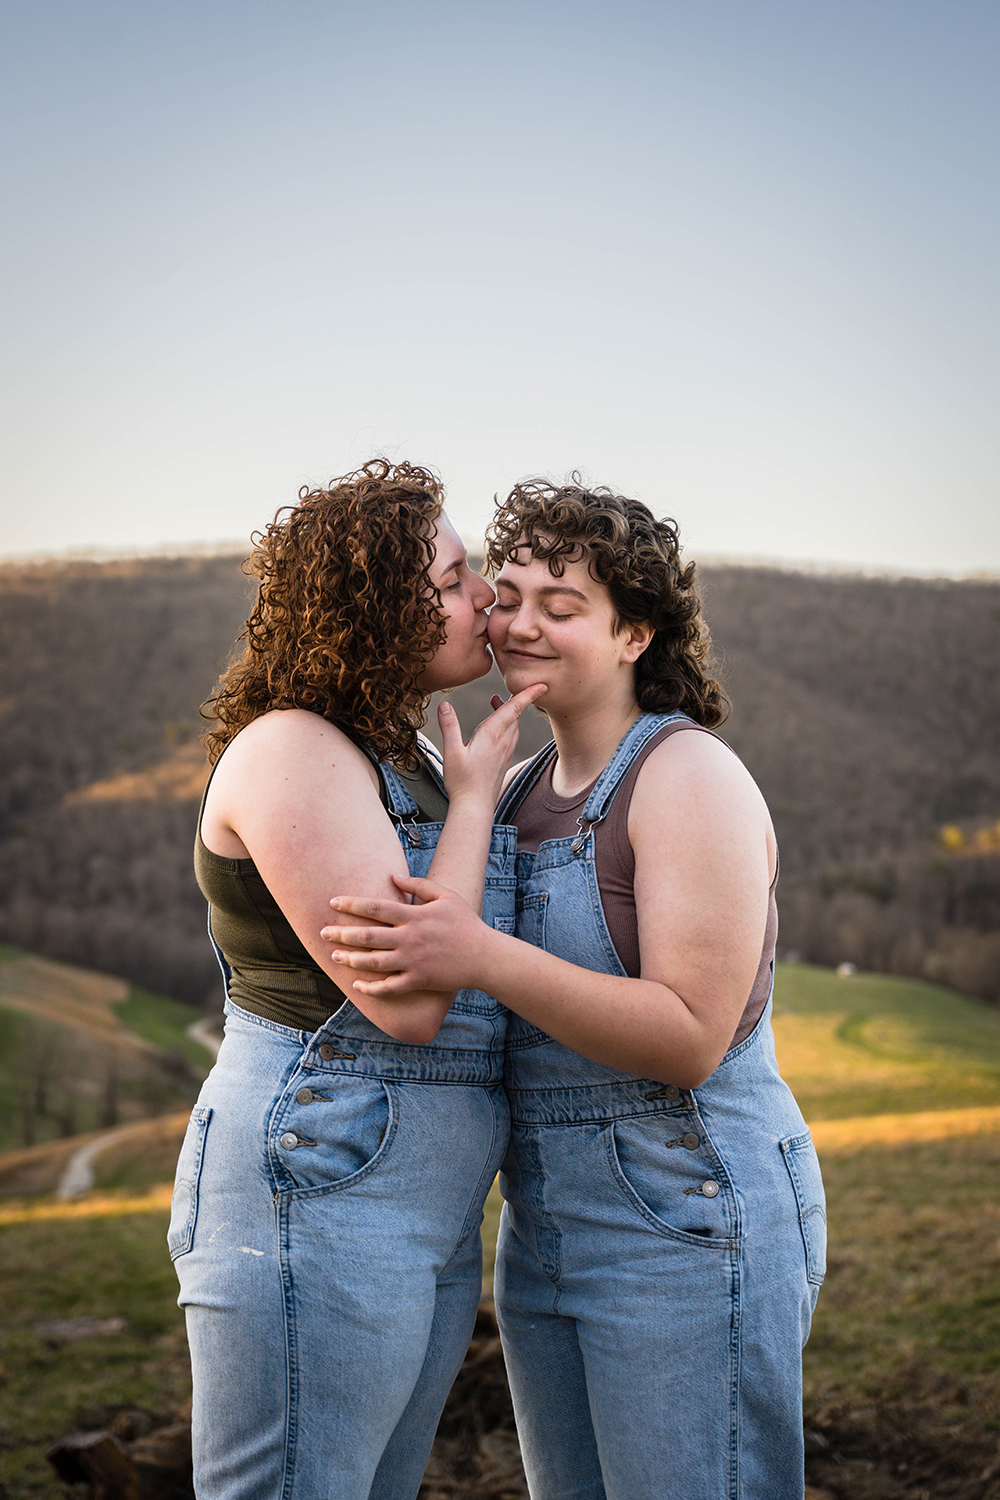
point(736, 1363)
point(291, 1346)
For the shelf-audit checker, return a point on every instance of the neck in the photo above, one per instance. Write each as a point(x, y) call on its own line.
point(586, 742)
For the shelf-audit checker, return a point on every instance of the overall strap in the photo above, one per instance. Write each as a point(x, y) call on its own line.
point(632, 743)
point(392, 789)
point(523, 782)
point(432, 761)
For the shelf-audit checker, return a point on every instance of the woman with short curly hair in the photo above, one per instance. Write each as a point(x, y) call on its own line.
point(663, 1238)
point(325, 1221)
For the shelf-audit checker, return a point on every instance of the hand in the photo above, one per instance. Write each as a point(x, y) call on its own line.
point(477, 769)
point(425, 947)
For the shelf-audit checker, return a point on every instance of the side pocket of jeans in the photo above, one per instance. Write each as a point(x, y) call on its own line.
point(807, 1183)
point(184, 1203)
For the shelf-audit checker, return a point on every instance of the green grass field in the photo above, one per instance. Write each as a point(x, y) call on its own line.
point(911, 1305)
point(164, 1022)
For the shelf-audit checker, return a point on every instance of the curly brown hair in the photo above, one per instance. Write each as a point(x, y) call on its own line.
point(638, 559)
point(346, 618)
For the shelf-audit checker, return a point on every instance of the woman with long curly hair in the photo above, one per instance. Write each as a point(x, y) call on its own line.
point(663, 1239)
point(325, 1221)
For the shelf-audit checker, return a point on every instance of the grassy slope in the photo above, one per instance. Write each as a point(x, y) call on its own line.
point(910, 1301)
point(156, 1018)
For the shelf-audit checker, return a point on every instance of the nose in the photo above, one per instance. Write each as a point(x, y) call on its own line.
point(522, 623)
point(485, 594)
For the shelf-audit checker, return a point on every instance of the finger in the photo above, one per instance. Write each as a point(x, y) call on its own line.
point(351, 958)
point(388, 912)
point(527, 696)
point(451, 729)
point(419, 885)
point(365, 939)
point(384, 989)
point(496, 702)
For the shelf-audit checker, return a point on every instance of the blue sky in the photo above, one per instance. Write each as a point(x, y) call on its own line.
point(738, 259)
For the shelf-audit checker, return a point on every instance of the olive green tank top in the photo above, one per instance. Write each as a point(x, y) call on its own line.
point(273, 975)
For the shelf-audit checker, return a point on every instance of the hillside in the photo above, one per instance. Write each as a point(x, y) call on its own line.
point(868, 709)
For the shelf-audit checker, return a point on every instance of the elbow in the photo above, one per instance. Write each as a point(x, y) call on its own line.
point(416, 1023)
point(693, 1078)
point(417, 1034)
point(691, 1072)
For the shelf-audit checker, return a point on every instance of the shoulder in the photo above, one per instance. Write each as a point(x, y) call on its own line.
point(695, 756)
point(694, 783)
point(294, 741)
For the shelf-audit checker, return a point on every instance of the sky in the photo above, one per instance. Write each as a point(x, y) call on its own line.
point(738, 258)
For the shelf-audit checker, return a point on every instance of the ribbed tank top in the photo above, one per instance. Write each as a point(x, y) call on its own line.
point(545, 815)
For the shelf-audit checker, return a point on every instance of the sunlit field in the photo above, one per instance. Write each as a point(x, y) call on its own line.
point(901, 1084)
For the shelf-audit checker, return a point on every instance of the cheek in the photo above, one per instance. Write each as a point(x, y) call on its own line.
point(496, 628)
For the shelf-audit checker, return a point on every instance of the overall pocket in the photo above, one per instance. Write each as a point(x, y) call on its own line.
point(184, 1203)
point(671, 1173)
point(807, 1183)
point(331, 1129)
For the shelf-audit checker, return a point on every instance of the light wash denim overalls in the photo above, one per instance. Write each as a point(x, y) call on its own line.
point(661, 1249)
point(325, 1230)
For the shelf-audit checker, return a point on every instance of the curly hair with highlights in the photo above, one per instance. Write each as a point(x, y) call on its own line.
point(346, 618)
point(638, 559)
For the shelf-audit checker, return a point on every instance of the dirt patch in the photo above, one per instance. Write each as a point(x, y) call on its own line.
point(928, 1447)
point(475, 1453)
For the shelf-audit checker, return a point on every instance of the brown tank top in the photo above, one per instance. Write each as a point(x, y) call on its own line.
point(545, 815)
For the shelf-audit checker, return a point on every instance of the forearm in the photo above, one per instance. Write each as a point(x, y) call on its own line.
point(639, 1026)
point(463, 849)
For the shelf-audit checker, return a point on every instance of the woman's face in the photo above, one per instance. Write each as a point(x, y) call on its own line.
point(561, 631)
point(465, 597)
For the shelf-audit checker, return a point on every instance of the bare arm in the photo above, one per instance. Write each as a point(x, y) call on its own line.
point(297, 796)
point(704, 850)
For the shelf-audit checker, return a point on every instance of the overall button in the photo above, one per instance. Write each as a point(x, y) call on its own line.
point(304, 1096)
point(289, 1141)
point(710, 1189)
point(326, 1051)
point(672, 1091)
point(691, 1141)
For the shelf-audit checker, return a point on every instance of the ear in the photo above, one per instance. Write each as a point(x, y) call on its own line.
point(635, 639)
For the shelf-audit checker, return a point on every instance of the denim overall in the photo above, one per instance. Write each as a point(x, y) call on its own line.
point(325, 1231)
point(661, 1249)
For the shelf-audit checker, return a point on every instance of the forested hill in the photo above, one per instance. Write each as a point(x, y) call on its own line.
point(868, 709)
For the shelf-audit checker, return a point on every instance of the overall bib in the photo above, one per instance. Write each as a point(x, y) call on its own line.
point(661, 1249)
point(325, 1231)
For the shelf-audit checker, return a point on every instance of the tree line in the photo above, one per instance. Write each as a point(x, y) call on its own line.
point(866, 708)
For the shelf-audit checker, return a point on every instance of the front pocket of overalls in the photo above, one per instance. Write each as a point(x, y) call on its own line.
point(530, 926)
point(331, 1129)
point(184, 1203)
point(807, 1183)
point(672, 1175)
